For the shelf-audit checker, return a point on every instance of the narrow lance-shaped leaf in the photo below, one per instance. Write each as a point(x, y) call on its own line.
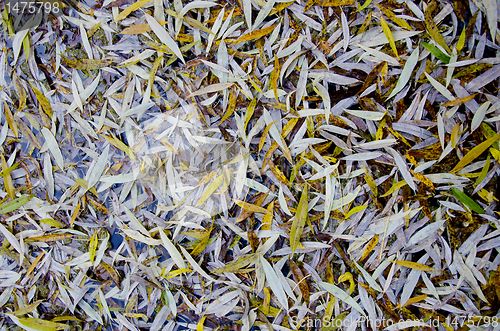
point(432, 29)
point(299, 220)
point(471, 204)
point(388, 34)
point(474, 153)
point(274, 282)
point(406, 73)
point(165, 38)
point(340, 294)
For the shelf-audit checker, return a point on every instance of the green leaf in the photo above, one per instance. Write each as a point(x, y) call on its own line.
point(436, 52)
point(463, 198)
point(12, 205)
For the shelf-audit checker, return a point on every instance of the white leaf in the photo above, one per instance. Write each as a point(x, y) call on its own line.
point(403, 168)
point(491, 7)
point(10, 238)
point(196, 4)
point(48, 176)
point(345, 30)
point(165, 38)
point(264, 11)
point(338, 293)
point(17, 43)
point(406, 73)
point(367, 115)
point(424, 233)
point(301, 84)
point(98, 168)
point(211, 88)
point(174, 253)
point(479, 116)
point(274, 282)
point(53, 147)
point(438, 86)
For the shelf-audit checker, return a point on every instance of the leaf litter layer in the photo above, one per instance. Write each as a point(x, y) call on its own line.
point(251, 164)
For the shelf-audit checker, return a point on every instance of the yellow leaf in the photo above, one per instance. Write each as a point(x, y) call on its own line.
point(250, 207)
point(27, 309)
point(394, 188)
point(10, 119)
point(459, 101)
point(177, 272)
point(7, 179)
point(231, 106)
point(495, 153)
point(35, 263)
point(254, 34)
point(388, 34)
point(255, 85)
point(355, 210)
point(371, 183)
point(461, 41)
point(446, 326)
point(280, 6)
point(86, 64)
point(49, 237)
point(238, 264)
point(289, 127)
point(112, 272)
point(210, 189)
point(370, 247)
point(83, 183)
point(380, 131)
point(281, 177)
point(309, 4)
point(264, 135)
point(299, 220)
point(75, 213)
point(249, 112)
point(120, 145)
point(399, 21)
point(203, 243)
point(267, 301)
point(21, 93)
point(199, 327)
point(423, 179)
point(301, 281)
point(334, 3)
point(348, 277)
point(43, 325)
point(364, 5)
point(414, 300)
point(454, 135)
point(487, 196)
point(474, 153)
point(28, 134)
point(42, 99)
point(432, 29)
point(414, 265)
point(93, 246)
point(130, 9)
point(196, 24)
point(135, 315)
point(267, 220)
